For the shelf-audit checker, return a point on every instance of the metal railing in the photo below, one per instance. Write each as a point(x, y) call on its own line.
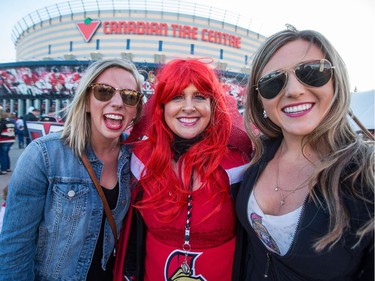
point(163, 6)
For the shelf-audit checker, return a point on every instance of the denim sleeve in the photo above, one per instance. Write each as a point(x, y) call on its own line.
point(24, 211)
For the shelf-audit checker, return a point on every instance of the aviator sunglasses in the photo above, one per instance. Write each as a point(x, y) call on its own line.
point(104, 92)
point(315, 73)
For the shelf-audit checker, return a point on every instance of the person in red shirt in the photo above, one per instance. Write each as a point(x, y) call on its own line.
point(7, 139)
point(194, 155)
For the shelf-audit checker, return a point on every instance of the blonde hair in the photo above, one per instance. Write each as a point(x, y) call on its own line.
point(77, 131)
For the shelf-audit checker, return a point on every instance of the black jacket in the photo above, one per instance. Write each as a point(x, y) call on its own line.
point(28, 117)
point(301, 263)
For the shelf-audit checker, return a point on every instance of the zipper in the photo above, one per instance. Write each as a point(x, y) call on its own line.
point(268, 263)
point(268, 255)
point(298, 227)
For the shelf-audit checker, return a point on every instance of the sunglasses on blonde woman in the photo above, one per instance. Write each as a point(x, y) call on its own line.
point(104, 92)
point(315, 73)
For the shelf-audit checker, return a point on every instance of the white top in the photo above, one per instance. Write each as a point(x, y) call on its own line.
point(276, 232)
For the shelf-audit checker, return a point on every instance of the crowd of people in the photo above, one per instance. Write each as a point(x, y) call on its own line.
point(40, 81)
point(184, 187)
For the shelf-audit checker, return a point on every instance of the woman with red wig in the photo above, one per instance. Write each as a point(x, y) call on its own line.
point(192, 158)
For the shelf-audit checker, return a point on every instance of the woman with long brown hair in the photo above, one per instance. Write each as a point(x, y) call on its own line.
point(307, 199)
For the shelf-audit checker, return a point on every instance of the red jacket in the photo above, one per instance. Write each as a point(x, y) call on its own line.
point(234, 165)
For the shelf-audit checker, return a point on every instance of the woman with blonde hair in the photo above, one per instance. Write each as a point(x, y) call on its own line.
point(307, 200)
point(70, 191)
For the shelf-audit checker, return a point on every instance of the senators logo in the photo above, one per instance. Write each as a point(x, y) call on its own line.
point(173, 270)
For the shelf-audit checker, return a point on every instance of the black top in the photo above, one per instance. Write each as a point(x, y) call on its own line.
point(302, 263)
point(96, 273)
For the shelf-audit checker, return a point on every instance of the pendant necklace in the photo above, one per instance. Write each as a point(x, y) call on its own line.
point(285, 193)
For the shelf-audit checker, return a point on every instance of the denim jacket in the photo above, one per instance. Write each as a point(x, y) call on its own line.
point(54, 213)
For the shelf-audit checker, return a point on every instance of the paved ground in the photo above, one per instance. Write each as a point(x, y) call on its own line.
point(14, 153)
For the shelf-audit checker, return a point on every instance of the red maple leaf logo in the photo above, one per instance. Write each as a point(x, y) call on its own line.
point(88, 28)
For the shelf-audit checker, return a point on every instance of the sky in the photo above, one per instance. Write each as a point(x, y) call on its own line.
point(348, 24)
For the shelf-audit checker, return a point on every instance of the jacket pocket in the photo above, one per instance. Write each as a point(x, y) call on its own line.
point(70, 200)
point(61, 232)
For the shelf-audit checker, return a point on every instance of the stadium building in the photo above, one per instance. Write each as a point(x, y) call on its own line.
point(55, 44)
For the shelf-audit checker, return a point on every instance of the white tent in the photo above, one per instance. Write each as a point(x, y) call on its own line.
point(362, 105)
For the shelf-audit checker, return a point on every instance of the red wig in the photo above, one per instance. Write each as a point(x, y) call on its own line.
point(162, 188)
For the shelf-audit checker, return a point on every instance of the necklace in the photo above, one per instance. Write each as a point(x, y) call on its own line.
point(285, 193)
point(186, 247)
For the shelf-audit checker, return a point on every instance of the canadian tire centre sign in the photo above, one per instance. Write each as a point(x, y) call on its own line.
point(89, 27)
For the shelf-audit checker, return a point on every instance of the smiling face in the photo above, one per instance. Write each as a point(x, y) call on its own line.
point(110, 118)
point(188, 114)
point(297, 109)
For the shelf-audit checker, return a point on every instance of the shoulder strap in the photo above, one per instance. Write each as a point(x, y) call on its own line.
point(118, 271)
point(102, 196)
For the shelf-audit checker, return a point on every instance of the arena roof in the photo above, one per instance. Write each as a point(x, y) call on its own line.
point(179, 7)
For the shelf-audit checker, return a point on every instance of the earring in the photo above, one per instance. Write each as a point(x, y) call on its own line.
point(265, 114)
